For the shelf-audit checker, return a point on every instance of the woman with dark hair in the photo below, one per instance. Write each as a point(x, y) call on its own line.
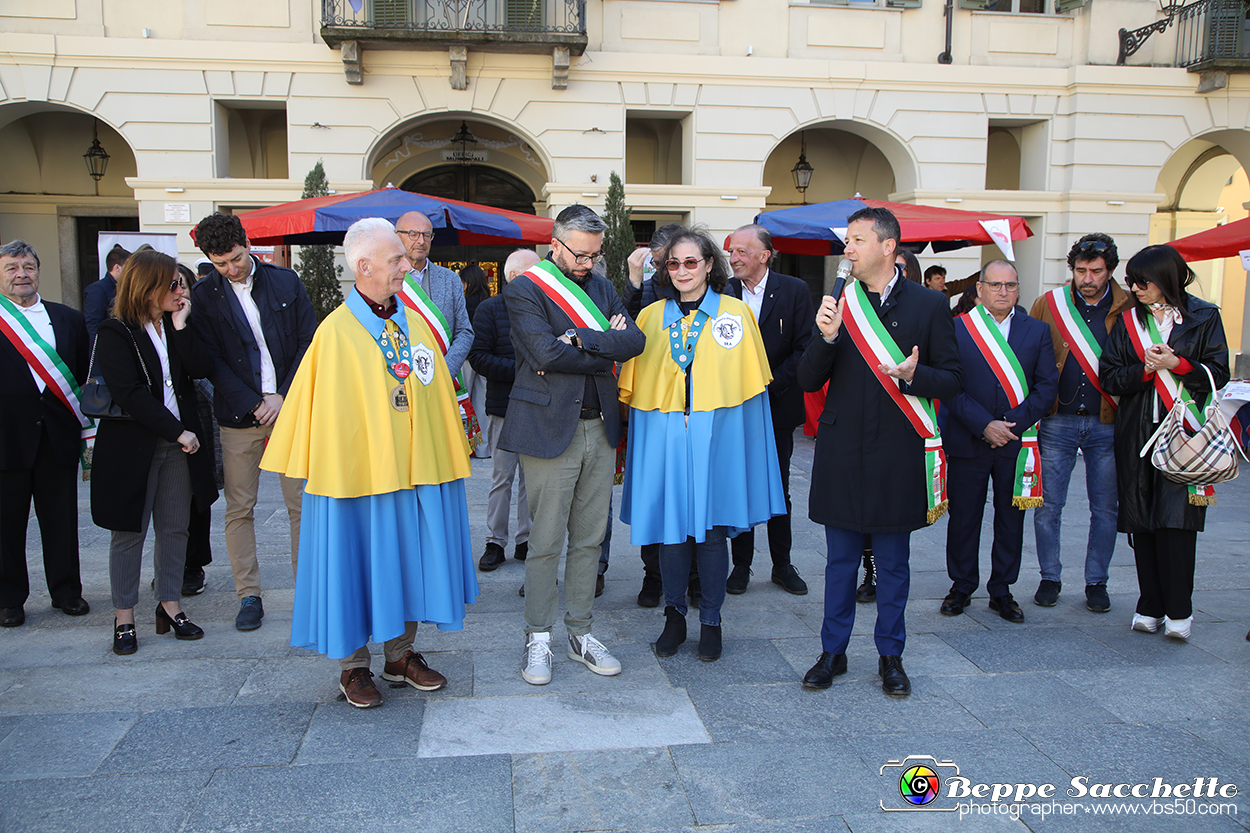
point(476, 290)
point(911, 266)
point(968, 299)
point(147, 467)
point(701, 462)
point(199, 545)
point(1160, 349)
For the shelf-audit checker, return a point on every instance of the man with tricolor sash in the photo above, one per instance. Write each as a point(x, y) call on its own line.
point(887, 349)
point(1009, 382)
point(1082, 418)
point(437, 295)
point(569, 329)
point(43, 434)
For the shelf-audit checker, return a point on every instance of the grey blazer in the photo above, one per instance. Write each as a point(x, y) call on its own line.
point(447, 293)
point(543, 411)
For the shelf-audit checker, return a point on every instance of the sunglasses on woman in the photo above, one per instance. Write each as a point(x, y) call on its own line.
point(691, 263)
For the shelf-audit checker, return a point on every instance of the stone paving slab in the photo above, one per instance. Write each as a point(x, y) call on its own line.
point(1003, 701)
point(339, 734)
point(61, 745)
point(145, 802)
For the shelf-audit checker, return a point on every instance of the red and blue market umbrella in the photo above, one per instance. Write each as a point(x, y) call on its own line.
point(816, 229)
point(320, 220)
point(1228, 240)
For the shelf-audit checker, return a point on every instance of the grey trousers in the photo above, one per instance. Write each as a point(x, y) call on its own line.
point(499, 500)
point(392, 649)
point(167, 505)
point(569, 493)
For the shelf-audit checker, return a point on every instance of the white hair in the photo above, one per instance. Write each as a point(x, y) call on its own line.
point(519, 261)
point(361, 237)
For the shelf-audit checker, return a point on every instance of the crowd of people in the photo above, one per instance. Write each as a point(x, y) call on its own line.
point(687, 387)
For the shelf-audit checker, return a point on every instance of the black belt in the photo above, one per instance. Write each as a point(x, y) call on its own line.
point(590, 413)
point(1082, 411)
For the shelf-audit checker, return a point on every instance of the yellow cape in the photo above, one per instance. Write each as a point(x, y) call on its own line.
point(724, 377)
point(337, 428)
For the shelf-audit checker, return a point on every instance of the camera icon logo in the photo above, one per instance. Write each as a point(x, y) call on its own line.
point(919, 783)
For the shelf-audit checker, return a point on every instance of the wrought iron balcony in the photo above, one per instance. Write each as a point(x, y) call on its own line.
point(1212, 36)
point(535, 26)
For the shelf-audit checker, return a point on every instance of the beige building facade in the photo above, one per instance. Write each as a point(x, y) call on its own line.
point(702, 106)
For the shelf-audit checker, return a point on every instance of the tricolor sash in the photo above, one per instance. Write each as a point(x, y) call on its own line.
point(1078, 336)
point(50, 367)
point(416, 299)
point(877, 347)
point(1027, 489)
point(1144, 336)
point(576, 304)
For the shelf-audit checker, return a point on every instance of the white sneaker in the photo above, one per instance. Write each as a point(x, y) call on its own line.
point(536, 664)
point(1146, 624)
point(1177, 628)
point(590, 652)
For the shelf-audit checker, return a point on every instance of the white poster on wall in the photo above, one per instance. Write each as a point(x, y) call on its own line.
point(131, 240)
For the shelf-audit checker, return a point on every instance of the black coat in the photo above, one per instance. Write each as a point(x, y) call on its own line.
point(124, 448)
point(26, 411)
point(491, 355)
point(1148, 500)
point(868, 470)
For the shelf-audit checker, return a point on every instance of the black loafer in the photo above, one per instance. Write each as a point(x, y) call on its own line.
point(893, 678)
point(12, 617)
point(955, 602)
point(1006, 607)
point(124, 639)
point(76, 606)
point(826, 668)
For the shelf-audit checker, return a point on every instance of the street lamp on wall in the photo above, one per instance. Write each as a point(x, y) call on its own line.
point(463, 144)
point(96, 157)
point(802, 171)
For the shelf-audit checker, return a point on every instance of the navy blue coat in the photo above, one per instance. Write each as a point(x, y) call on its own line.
point(491, 355)
point(96, 301)
point(287, 319)
point(983, 399)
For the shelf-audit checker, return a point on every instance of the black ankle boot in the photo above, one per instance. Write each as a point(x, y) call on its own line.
point(867, 592)
point(709, 643)
point(674, 633)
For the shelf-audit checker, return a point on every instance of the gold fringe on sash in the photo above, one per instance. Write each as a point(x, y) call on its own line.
point(1201, 500)
point(1026, 502)
point(938, 511)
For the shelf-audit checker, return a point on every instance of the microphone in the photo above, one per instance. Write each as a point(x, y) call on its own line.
point(839, 283)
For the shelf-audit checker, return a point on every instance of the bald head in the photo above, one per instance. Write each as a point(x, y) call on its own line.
point(416, 232)
point(518, 262)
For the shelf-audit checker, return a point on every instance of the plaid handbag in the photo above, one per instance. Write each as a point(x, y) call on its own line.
point(1201, 459)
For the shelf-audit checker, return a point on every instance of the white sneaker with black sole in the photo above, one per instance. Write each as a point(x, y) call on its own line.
point(591, 653)
point(536, 663)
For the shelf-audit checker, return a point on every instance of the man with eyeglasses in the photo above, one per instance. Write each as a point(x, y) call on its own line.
point(1082, 417)
point(1009, 382)
point(569, 329)
point(256, 321)
point(442, 285)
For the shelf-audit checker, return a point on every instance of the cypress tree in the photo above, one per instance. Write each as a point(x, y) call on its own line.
point(317, 269)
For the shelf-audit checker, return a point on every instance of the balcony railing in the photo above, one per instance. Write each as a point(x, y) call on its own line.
point(1211, 35)
point(542, 23)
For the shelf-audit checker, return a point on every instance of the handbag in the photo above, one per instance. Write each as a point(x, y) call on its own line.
point(1204, 458)
point(95, 399)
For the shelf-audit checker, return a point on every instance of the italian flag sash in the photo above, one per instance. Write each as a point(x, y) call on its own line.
point(416, 299)
point(877, 347)
point(50, 367)
point(1168, 387)
point(1078, 336)
point(582, 311)
point(1027, 489)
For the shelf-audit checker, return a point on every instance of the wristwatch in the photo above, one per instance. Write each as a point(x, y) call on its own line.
point(571, 335)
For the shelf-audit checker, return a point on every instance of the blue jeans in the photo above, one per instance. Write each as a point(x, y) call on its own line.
point(1059, 437)
point(713, 559)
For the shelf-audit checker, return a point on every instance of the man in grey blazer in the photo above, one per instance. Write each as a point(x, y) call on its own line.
point(443, 286)
point(564, 422)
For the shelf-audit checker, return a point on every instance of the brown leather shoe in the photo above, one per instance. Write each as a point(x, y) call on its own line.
point(357, 686)
point(411, 668)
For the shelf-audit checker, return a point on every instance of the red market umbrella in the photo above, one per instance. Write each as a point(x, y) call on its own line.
point(809, 229)
point(325, 220)
point(1227, 240)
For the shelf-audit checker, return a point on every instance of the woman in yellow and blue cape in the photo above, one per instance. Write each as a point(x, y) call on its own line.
point(701, 462)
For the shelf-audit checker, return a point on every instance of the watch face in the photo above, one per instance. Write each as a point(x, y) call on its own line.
point(571, 333)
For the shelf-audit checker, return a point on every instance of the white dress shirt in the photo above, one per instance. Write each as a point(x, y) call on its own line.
point(1004, 326)
point(243, 291)
point(162, 351)
point(37, 316)
point(755, 298)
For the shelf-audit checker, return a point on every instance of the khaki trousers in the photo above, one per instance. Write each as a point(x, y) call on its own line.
point(392, 649)
point(569, 493)
point(241, 450)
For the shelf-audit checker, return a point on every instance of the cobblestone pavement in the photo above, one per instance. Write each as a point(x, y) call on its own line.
point(241, 732)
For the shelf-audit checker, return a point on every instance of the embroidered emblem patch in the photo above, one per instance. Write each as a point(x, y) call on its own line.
point(727, 330)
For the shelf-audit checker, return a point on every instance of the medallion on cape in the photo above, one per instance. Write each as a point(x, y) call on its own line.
point(1027, 485)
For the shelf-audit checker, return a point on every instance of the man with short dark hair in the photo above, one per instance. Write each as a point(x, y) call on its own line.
point(1082, 417)
point(97, 299)
point(783, 309)
point(935, 278)
point(569, 328)
point(256, 320)
point(43, 359)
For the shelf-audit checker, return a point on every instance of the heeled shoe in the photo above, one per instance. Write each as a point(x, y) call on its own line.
point(183, 627)
point(124, 639)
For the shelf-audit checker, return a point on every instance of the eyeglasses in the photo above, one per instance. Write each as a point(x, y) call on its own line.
point(177, 283)
point(999, 286)
point(1091, 246)
point(579, 258)
point(691, 263)
point(427, 236)
point(1133, 282)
